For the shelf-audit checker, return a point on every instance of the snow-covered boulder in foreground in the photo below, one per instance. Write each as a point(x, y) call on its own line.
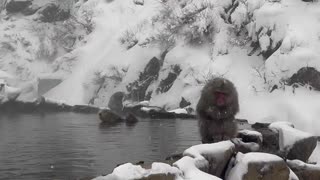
point(258, 166)
point(210, 158)
point(129, 172)
point(295, 143)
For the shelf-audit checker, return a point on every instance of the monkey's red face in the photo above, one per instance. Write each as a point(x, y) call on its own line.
point(221, 98)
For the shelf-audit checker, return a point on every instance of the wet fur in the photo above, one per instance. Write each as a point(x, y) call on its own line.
point(217, 123)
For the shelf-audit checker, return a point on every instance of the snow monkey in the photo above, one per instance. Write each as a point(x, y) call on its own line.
point(216, 111)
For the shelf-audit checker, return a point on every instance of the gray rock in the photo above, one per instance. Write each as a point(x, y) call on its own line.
point(304, 171)
point(306, 76)
point(296, 144)
point(52, 12)
point(131, 119)
point(109, 117)
point(15, 6)
point(184, 103)
point(138, 89)
point(262, 166)
point(270, 138)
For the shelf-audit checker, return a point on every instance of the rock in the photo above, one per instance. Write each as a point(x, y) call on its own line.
point(304, 171)
point(107, 116)
point(52, 12)
point(32, 9)
point(159, 177)
point(174, 157)
point(212, 158)
point(138, 2)
point(85, 109)
point(115, 102)
point(250, 136)
point(190, 169)
point(15, 6)
point(137, 89)
point(184, 103)
point(131, 119)
point(260, 166)
point(166, 84)
point(295, 143)
point(306, 76)
point(245, 147)
point(270, 138)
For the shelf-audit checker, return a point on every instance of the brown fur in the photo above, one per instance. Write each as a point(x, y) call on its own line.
point(216, 123)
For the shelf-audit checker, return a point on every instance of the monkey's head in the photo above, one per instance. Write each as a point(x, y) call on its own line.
point(219, 95)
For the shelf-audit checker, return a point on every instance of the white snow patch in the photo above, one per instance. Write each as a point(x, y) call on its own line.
point(242, 161)
point(179, 111)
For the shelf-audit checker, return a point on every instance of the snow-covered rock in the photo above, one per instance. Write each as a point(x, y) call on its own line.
point(8, 93)
point(258, 166)
point(304, 171)
point(190, 169)
point(296, 144)
point(129, 171)
point(210, 158)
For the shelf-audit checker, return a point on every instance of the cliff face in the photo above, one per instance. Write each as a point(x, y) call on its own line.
point(164, 51)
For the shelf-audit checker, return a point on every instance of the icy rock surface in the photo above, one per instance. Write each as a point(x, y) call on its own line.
point(258, 166)
point(296, 144)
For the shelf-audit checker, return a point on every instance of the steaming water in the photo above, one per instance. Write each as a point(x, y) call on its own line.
point(74, 146)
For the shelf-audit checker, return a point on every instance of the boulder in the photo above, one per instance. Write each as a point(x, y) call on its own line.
point(115, 102)
point(270, 138)
point(52, 12)
point(131, 119)
point(109, 117)
point(295, 143)
point(306, 76)
point(304, 171)
point(166, 84)
point(184, 103)
point(15, 6)
point(262, 166)
point(190, 169)
point(212, 158)
point(138, 89)
point(245, 147)
point(250, 136)
point(32, 9)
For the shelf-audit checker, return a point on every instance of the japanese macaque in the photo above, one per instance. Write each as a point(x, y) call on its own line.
point(216, 111)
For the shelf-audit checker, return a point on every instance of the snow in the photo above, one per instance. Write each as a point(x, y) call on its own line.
point(243, 160)
point(179, 111)
point(130, 171)
point(288, 135)
point(315, 156)
point(253, 133)
point(191, 171)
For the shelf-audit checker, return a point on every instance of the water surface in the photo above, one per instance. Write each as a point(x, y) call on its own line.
point(76, 146)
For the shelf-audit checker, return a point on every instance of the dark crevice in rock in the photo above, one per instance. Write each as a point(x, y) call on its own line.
point(167, 83)
point(305, 76)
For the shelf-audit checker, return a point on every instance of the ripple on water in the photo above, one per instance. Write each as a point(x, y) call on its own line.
point(70, 146)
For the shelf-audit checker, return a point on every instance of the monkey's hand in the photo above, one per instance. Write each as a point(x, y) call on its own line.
point(217, 113)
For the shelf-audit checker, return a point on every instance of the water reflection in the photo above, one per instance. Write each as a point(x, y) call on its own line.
point(71, 146)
